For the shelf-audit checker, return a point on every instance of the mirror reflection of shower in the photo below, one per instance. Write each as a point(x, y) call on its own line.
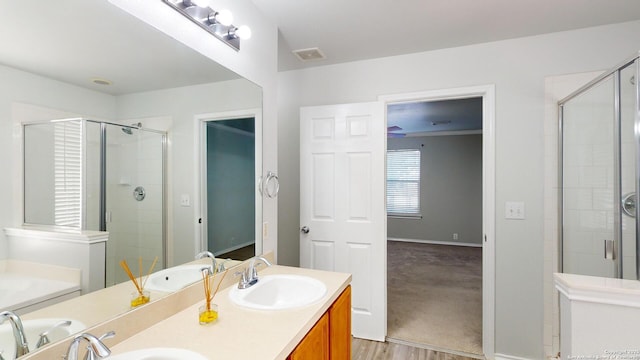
point(127, 129)
point(81, 174)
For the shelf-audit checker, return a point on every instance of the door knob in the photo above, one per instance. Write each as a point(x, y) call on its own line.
point(304, 230)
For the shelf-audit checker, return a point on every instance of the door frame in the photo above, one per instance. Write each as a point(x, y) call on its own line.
point(200, 149)
point(487, 92)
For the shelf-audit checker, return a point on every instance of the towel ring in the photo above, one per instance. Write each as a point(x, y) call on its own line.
point(271, 178)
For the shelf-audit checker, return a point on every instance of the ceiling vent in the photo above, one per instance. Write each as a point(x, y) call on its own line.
point(309, 54)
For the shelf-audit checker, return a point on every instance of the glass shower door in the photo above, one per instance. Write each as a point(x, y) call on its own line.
point(590, 216)
point(628, 170)
point(134, 200)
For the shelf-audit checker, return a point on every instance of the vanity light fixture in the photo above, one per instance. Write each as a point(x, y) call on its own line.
point(217, 23)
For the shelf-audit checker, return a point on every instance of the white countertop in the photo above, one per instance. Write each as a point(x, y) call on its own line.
point(241, 333)
point(599, 289)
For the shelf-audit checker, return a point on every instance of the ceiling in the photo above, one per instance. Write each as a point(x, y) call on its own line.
point(418, 118)
point(81, 40)
point(364, 29)
point(76, 40)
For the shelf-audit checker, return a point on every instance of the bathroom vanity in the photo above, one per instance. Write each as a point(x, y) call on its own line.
point(598, 317)
point(322, 328)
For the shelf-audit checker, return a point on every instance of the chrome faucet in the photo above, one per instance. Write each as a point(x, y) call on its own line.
point(22, 347)
point(221, 267)
point(91, 353)
point(249, 276)
point(208, 254)
point(96, 349)
point(44, 336)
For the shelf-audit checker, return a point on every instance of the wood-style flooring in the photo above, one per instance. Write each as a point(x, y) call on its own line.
point(373, 350)
point(242, 254)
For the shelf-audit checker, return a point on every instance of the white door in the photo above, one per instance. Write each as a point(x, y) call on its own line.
point(342, 204)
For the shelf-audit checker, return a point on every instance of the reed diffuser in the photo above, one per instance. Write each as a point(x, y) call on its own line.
point(141, 296)
point(208, 313)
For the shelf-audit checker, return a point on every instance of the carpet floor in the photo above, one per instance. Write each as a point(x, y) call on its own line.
point(435, 295)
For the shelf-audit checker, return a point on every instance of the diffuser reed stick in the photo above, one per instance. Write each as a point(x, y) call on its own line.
point(150, 271)
point(220, 283)
point(126, 268)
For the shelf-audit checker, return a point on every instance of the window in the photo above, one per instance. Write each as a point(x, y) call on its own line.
point(403, 182)
point(68, 173)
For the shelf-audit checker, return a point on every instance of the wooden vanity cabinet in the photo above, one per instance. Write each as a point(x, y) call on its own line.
point(340, 327)
point(315, 345)
point(330, 337)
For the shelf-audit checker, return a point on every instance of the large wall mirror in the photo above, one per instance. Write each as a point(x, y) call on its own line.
point(92, 61)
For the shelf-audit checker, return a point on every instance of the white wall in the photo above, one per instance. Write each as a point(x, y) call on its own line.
point(517, 67)
point(256, 61)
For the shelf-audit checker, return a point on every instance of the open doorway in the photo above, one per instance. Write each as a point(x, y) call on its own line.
point(435, 224)
point(230, 166)
point(230, 181)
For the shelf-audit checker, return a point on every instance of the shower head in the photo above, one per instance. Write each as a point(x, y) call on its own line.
point(127, 130)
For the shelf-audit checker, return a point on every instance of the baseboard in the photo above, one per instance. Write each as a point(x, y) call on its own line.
point(508, 357)
point(435, 242)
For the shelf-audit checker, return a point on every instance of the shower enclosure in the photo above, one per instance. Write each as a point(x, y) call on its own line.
point(83, 174)
point(599, 154)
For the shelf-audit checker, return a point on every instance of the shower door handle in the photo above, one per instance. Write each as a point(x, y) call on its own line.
point(609, 252)
point(629, 204)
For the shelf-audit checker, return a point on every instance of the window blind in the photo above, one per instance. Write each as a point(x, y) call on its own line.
point(403, 182)
point(67, 173)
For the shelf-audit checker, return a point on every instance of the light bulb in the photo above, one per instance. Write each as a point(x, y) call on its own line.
point(224, 17)
point(201, 3)
point(243, 32)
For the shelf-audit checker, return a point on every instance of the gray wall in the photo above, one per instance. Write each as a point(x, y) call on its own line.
point(450, 189)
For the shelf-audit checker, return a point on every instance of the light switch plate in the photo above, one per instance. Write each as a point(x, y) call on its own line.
point(514, 210)
point(185, 200)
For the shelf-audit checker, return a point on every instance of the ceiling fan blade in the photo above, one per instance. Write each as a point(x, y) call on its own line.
point(396, 135)
point(394, 128)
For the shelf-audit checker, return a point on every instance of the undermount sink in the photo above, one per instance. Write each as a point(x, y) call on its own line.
point(158, 354)
point(33, 329)
point(279, 292)
point(174, 278)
